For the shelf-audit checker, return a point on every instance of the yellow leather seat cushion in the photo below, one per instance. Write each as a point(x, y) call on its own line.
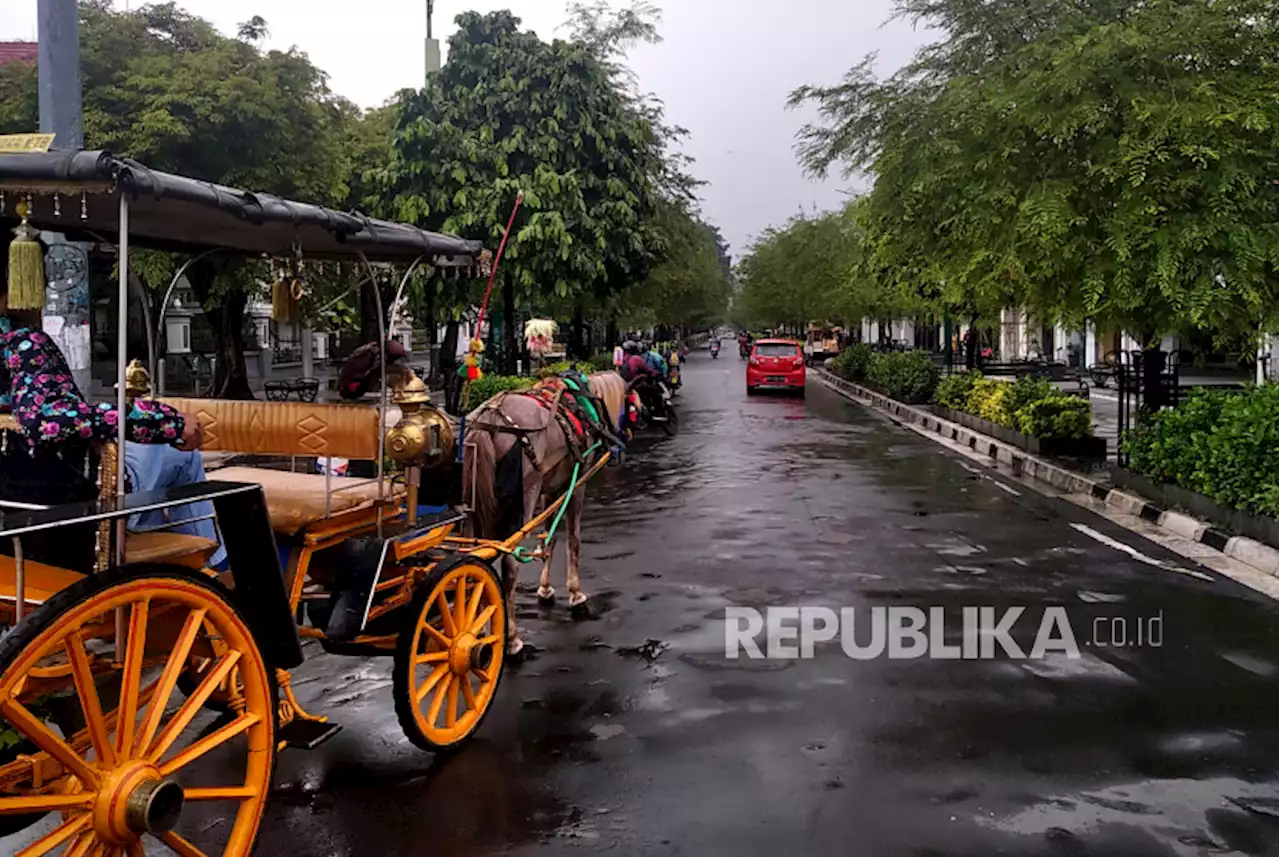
point(159, 546)
point(297, 500)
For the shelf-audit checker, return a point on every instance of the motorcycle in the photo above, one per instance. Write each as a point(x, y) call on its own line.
point(744, 350)
point(651, 405)
point(715, 350)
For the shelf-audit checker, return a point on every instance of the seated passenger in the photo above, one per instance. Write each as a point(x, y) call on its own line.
point(151, 468)
point(47, 464)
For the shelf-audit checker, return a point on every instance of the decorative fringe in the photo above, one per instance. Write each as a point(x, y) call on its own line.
point(470, 368)
point(286, 296)
point(26, 267)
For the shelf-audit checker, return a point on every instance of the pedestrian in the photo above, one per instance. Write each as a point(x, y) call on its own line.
point(618, 357)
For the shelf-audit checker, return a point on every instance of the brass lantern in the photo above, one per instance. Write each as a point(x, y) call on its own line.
point(423, 436)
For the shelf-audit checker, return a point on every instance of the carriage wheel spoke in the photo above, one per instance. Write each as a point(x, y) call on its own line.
point(44, 803)
point(135, 849)
point(432, 680)
point(434, 633)
point(131, 679)
point(180, 846)
point(491, 639)
point(446, 617)
point(468, 695)
point(430, 658)
point(460, 604)
point(433, 713)
point(451, 706)
point(221, 793)
point(473, 606)
point(90, 704)
point(483, 619)
point(177, 663)
point(82, 847)
point(192, 706)
point(57, 836)
point(207, 743)
point(28, 724)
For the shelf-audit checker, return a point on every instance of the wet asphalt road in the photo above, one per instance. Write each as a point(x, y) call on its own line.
point(605, 743)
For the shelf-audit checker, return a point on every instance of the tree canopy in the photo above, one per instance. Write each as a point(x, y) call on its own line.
point(1113, 160)
point(168, 89)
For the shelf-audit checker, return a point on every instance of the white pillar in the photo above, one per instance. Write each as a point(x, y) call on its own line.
point(1090, 344)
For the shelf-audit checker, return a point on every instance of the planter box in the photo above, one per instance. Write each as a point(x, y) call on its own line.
point(1166, 496)
point(1086, 448)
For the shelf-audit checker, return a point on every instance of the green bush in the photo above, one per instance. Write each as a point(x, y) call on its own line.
point(1217, 443)
point(491, 385)
point(908, 376)
point(953, 390)
point(851, 364)
point(1056, 416)
point(601, 362)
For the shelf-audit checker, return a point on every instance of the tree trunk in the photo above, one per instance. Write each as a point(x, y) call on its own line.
point(576, 344)
point(971, 344)
point(1152, 367)
point(372, 327)
point(226, 320)
point(508, 326)
point(611, 333)
point(449, 366)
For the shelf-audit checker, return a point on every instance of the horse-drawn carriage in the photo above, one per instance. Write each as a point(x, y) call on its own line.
point(111, 676)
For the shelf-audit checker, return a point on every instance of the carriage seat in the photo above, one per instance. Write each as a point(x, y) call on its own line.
point(163, 546)
point(297, 500)
point(294, 500)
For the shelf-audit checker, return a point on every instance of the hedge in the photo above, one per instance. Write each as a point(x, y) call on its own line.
point(491, 385)
point(908, 376)
point(1034, 408)
point(1218, 443)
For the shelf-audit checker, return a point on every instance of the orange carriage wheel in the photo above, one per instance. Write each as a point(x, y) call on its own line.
point(146, 767)
point(450, 654)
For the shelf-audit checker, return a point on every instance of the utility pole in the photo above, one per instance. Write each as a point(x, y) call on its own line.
point(433, 45)
point(66, 312)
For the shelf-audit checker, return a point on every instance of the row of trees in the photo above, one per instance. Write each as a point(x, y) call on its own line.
point(609, 222)
point(1113, 160)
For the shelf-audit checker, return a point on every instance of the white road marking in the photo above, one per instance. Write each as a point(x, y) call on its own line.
point(1006, 488)
point(970, 469)
point(1137, 554)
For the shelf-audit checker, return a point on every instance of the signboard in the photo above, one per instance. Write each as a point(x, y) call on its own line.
point(25, 142)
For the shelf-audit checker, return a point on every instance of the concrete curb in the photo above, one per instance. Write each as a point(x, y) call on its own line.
point(1253, 553)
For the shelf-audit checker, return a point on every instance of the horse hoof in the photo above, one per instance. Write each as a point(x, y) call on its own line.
point(546, 596)
point(581, 610)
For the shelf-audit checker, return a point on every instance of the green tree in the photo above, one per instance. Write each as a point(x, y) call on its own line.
point(168, 89)
point(511, 113)
point(1113, 160)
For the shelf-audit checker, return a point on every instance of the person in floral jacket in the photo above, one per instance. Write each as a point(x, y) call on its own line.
point(48, 463)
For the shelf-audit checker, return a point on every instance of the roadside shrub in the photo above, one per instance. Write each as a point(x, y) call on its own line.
point(601, 362)
point(953, 390)
point(555, 368)
point(491, 385)
point(988, 400)
point(1217, 443)
point(908, 376)
point(1056, 416)
point(1025, 391)
point(851, 364)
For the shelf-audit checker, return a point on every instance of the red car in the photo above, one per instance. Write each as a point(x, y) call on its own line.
point(776, 364)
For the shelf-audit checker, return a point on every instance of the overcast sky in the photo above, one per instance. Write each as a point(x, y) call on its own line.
point(724, 70)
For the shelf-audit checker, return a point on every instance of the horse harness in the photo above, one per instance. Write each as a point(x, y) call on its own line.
point(567, 412)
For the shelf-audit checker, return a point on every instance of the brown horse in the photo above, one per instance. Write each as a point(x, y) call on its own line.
point(517, 424)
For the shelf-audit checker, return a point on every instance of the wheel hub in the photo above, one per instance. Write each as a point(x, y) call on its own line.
point(460, 653)
point(135, 799)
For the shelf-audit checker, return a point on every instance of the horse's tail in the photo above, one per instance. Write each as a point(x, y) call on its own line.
point(612, 390)
point(478, 466)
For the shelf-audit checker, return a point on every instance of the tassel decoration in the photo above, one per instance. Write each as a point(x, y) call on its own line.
point(471, 364)
point(286, 296)
point(26, 265)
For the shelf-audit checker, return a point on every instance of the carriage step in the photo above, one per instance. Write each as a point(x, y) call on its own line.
point(308, 734)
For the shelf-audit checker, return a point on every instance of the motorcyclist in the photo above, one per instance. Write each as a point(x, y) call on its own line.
point(744, 343)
